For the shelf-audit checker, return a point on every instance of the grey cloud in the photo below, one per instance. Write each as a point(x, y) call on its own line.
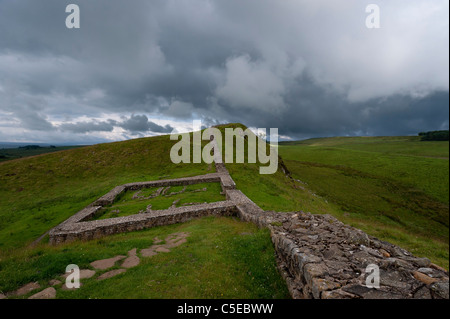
point(134, 124)
point(310, 68)
point(85, 127)
point(140, 123)
point(33, 121)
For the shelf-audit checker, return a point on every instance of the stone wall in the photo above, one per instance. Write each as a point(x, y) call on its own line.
point(87, 230)
point(322, 258)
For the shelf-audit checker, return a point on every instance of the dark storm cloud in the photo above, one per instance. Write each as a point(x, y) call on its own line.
point(84, 127)
point(140, 123)
point(133, 124)
point(310, 68)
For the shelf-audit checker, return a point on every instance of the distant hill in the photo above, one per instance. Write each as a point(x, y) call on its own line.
point(26, 150)
point(4, 145)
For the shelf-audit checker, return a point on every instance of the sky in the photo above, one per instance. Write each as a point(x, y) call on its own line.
point(136, 68)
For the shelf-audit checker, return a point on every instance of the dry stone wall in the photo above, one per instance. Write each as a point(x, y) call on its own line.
point(322, 258)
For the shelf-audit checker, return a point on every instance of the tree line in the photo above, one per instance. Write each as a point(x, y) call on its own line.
point(434, 136)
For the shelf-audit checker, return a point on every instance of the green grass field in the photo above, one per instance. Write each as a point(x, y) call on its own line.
point(394, 188)
point(223, 258)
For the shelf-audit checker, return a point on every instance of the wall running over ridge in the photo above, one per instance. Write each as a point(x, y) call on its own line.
point(317, 255)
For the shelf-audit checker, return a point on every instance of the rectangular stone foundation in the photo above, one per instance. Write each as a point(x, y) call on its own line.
point(99, 228)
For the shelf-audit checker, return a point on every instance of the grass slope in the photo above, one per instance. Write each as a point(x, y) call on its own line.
point(223, 258)
point(394, 188)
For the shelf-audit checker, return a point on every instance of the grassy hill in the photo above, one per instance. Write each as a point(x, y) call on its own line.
point(395, 188)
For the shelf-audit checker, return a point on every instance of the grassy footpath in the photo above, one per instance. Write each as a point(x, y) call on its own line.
point(223, 258)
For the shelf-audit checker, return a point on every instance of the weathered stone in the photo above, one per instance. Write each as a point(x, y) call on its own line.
point(394, 279)
point(314, 271)
point(364, 258)
point(162, 250)
point(420, 262)
point(338, 294)
point(382, 294)
point(441, 289)
point(148, 252)
point(426, 271)
point(356, 237)
point(424, 278)
point(106, 263)
point(26, 289)
point(111, 274)
point(318, 285)
point(384, 253)
point(84, 274)
point(176, 243)
point(371, 251)
point(434, 266)
point(54, 282)
point(333, 252)
point(48, 293)
point(132, 252)
point(358, 290)
point(423, 293)
point(395, 263)
point(131, 262)
point(304, 259)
